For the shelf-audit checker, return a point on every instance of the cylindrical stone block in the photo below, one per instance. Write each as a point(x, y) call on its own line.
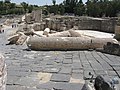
point(66, 43)
point(3, 73)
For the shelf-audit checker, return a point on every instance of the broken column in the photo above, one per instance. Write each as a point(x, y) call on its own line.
point(3, 73)
point(37, 15)
point(28, 18)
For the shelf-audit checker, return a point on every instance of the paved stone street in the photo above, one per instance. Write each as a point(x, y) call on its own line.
point(54, 70)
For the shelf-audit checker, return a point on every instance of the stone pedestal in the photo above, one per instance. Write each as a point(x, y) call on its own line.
point(3, 73)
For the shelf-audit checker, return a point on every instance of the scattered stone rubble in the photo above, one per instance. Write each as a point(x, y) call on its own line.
point(3, 73)
point(101, 83)
point(112, 48)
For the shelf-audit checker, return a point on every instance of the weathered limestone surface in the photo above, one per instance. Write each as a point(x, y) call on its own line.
point(66, 43)
point(74, 33)
point(37, 15)
point(105, 25)
point(60, 34)
point(3, 73)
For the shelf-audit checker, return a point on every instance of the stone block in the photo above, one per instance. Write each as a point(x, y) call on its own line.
point(60, 78)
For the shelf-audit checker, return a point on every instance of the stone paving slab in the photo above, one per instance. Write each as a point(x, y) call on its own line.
point(60, 86)
point(60, 78)
point(17, 87)
point(65, 70)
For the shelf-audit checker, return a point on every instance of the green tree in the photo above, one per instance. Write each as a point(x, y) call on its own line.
point(70, 5)
point(30, 8)
point(54, 2)
point(25, 6)
point(80, 8)
point(61, 9)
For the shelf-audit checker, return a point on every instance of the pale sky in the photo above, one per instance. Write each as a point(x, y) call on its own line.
point(39, 2)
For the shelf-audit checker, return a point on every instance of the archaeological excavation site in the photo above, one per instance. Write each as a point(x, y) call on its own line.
point(57, 52)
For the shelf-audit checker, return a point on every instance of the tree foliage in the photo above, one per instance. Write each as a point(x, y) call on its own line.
point(94, 8)
point(7, 8)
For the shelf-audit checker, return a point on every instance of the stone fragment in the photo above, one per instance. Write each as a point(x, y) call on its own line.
point(101, 83)
point(21, 40)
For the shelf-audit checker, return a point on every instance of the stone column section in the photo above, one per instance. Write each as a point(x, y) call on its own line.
point(3, 73)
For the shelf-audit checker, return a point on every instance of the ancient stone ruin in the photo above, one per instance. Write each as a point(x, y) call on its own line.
point(61, 23)
point(64, 32)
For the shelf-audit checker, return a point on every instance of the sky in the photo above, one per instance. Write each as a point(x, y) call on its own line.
point(39, 2)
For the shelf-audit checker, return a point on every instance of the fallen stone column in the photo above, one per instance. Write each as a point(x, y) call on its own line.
point(3, 73)
point(74, 33)
point(66, 43)
point(60, 34)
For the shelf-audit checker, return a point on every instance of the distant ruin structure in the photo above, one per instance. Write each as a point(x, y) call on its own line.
point(81, 23)
point(34, 17)
point(62, 23)
point(37, 15)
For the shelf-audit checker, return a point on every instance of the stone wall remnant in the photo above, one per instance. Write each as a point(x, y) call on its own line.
point(37, 15)
point(28, 18)
point(81, 23)
point(62, 23)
